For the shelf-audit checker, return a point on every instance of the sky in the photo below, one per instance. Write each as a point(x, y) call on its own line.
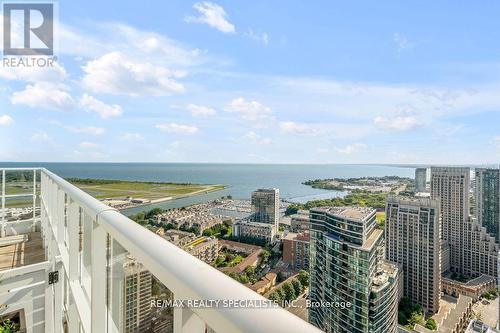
point(413, 82)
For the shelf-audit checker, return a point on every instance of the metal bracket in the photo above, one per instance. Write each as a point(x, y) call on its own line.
point(53, 277)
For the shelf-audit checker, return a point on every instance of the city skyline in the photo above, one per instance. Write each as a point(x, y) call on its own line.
point(220, 81)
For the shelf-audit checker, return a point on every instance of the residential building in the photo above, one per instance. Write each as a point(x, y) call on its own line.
point(247, 229)
point(252, 252)
point(264, 284)
point(296, 250)
point(204, 248)
point(487, 200)
point(479, 250)
point(300, 221)
point(197, 217)
point(347, 265)
point(456, 320)
point(420, 180)
point(177, 237)
point(472, 250)
point(445, 257)
point(66, 268)
point(473, 288)
point(450, 185)
point(412, 231)
point(476, 326)
point(266, 206)
point(137, 297)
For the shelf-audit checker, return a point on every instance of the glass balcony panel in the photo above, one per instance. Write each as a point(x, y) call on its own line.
point(116, 287)
point(19, 182)
point(139, 302)
point(85, 252)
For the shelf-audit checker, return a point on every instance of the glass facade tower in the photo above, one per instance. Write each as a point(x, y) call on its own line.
point(350, 274)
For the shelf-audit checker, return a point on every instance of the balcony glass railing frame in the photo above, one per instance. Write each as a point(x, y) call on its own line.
point(81, 299)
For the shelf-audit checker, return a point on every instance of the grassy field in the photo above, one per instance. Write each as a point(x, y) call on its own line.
point(145, 190)
point(17, 188)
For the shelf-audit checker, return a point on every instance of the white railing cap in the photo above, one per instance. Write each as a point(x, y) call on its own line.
point(186, 276)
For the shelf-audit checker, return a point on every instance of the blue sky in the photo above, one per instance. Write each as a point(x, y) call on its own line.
point(261, 82)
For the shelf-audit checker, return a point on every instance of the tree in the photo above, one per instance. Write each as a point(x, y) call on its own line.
point(265, 256)
point(280, 293)
point(409, 313)
point(220, 260)
point(250, 270)
point(293, 209)
point(243, 278)
point(416, 318)
point(431, 324)
point(289, 292)
point(8, 326)
point(153, 212)
point(303, 278)
point(275, 296)
point(297, 286)
point(208, 232)
point(138, 217)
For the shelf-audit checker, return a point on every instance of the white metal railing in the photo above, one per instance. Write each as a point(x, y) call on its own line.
point(85, 239)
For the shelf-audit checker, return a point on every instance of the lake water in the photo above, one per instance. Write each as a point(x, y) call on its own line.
point(241, 179)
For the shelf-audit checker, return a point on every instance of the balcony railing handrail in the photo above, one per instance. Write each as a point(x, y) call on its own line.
point(186, 276)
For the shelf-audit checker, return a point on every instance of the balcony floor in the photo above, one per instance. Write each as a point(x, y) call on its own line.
point(27, 252)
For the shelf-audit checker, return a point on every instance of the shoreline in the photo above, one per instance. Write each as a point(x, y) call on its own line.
point(160, 200)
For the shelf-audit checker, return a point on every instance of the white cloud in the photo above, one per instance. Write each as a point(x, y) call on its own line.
point(362, 101)
point(55, 73)
point(131, 137)
point(114, 73)
point(290, 127)
point(5, 120)
point(397, 123)
point(104, 110)
point(200, 111)
point(308, 129)
point(151, 47)
point(43, 95)
point(89, 130)
point(251, 111)
point(351, 149)
point(256, 138)
point(401, 42)
point(40, 136)
point(88, 145)
point(213, 15)
point(262, 37)
point(177, 128)
point(334, 130)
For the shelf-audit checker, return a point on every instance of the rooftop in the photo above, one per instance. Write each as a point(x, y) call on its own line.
point(420, 200)
point(387, 271)
point(303, 236)
point(349, 212)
